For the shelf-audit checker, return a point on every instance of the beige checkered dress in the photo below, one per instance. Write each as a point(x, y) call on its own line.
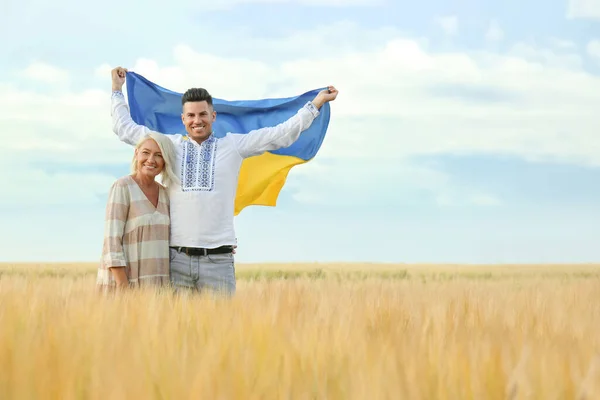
point(136, 236)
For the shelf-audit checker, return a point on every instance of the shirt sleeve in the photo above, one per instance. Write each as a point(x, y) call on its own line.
point(286, 133)
point(123, 125)
point(117, 209)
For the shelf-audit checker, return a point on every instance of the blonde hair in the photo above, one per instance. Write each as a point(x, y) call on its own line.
point(167, 175)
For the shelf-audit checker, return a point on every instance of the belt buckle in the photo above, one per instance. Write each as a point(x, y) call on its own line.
point(198, 251)
point(191, 251)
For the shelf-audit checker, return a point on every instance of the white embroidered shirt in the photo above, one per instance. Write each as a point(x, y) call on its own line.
point(202, 207)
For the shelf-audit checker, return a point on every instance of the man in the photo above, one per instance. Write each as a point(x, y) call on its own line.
point(202, 234)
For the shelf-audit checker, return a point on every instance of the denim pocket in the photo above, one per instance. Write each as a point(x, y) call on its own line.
point(220, 258)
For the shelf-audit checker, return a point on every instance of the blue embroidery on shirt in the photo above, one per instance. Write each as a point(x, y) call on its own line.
point(198, 165)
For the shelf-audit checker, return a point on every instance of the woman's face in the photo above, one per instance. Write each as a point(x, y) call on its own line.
point(150, 161)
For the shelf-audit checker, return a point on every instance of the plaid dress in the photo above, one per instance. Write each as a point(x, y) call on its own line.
point(136, 236)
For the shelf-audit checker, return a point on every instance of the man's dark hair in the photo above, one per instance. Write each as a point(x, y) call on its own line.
point(196, 94)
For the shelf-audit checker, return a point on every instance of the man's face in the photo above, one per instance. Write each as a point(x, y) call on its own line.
point(198, 118)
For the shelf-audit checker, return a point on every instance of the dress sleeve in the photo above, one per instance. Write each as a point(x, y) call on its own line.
point(117, 209)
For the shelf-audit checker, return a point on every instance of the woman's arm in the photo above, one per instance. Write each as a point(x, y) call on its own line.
point(117, 209)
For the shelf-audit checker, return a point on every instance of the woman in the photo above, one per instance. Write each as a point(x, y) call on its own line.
point(136, 238)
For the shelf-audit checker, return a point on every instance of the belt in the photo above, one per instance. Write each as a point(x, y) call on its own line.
point(199, 251)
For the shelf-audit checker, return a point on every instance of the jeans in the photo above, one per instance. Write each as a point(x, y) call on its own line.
point(213, 272)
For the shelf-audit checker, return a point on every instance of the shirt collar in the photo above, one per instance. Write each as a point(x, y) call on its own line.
point(210, 139)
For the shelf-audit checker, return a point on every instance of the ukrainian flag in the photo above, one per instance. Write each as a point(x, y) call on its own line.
point(261, 177)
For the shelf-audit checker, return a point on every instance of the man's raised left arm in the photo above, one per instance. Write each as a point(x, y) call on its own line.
point(275, 137)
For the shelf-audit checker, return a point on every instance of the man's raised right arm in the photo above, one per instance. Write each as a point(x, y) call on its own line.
point(123, 125)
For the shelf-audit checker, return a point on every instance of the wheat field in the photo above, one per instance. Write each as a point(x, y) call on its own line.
point(311, 331)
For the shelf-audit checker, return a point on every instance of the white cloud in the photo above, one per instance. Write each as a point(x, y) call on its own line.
point(416, 102)
point(564, 44)
point(484, 199)
point(593, 49)
point(494, 32)
point(378, 183)
point(361, 183)
point(49, 137)
point(45, 73)
point(36, 186)
point(398, 100)
point(449, 24)
point(584, 9)
point(103, 71)
point(333, 39)
point(65, 121)
point(546, 56)
point(452, 199)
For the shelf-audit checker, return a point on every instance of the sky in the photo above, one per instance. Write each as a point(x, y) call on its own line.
point(465, 131)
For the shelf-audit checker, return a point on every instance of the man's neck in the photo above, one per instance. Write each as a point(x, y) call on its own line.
point(200, 141)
